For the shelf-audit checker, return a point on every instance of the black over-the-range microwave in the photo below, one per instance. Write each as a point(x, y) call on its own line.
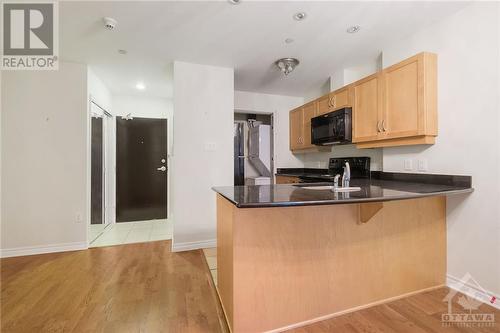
point(332, 128)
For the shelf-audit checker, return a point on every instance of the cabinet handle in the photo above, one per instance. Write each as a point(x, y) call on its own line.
point(334, 101)
point(383, 125)
point(378, 126)
point(329, 101)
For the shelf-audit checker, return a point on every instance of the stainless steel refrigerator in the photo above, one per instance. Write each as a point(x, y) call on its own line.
point(239, 154)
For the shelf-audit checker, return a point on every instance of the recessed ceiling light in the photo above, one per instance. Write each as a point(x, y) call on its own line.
point(234, 2)
point(122, 51)
point(299, 16)
point(289, 40)
point(353, 29)
point(140, 86)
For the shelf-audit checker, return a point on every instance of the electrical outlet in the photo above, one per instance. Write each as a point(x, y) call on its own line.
point(422, 165)
point(408, 164)
point(79, 218)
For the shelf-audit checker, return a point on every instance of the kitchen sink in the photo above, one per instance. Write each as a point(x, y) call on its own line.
point(332, 188)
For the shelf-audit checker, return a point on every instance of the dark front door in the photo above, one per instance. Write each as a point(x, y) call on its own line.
point(97, 175)
point(141, 169)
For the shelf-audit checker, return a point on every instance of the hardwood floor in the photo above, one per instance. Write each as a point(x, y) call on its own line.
point(147, 288)
point(420, 313)
point(128, 288)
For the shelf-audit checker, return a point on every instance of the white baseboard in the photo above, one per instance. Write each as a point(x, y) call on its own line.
point(30, 250)
point(186, 246)
point(473, 291)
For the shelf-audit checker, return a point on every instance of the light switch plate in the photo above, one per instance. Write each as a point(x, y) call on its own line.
point(422, 165)
point(408, 164)
point(210, 146)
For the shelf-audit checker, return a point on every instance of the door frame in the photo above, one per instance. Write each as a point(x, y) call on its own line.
point(108, 170)
point(273, 134)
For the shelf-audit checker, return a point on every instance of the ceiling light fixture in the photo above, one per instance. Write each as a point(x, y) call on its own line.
point(234, 2)
point(299, 16)
point(353, 29)
point(140, 86)
point(122, 51)
point(289, 40)
point(287, 65)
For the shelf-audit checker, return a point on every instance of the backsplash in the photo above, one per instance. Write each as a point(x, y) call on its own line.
point(320, 160)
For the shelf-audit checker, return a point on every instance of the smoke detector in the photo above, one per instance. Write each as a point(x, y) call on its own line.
point(109, 23)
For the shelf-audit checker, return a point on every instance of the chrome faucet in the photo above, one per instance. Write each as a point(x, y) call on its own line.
point(346, 177)
point(336, 182)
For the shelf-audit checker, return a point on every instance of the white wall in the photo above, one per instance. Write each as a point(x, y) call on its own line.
point(98, 91)
point(44, 160)
point(203, 150)
point(280, 107)
point(468, 142)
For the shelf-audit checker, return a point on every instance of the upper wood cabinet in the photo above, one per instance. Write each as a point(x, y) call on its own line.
point(296, 129)
point(367, 108)
point(310, 111)
point(397, 106)
point(300, 126)
point(334, 100)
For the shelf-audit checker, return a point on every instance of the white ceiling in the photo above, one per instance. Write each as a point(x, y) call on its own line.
point(248, 37)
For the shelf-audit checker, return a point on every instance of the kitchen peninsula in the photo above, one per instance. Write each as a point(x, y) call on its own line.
point(290, 254)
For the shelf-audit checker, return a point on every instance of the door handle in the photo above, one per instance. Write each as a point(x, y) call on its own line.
point(163, 168)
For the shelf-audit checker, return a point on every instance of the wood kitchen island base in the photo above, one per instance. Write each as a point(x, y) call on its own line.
point(283, 267)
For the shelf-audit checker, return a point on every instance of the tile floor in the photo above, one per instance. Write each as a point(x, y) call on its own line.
point(211, 257)
point(134, 232)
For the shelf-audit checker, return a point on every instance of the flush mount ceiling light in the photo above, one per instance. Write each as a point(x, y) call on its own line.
point(299, 16)
point(353, 29)
point(234, 2)
point(140, 86)
point(287, 65)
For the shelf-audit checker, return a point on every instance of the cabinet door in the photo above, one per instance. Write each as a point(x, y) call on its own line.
point(403, 111)
point(366, 109)
point(296, 128)
point(340, 98)
point(309, 113)
point(324, 104)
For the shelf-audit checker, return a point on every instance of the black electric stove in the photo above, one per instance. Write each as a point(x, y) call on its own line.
point(360, 168)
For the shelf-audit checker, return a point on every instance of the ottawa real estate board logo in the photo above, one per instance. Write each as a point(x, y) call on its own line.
point(30, 36)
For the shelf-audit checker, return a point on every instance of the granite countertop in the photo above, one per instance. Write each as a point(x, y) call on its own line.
point(381, 187)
